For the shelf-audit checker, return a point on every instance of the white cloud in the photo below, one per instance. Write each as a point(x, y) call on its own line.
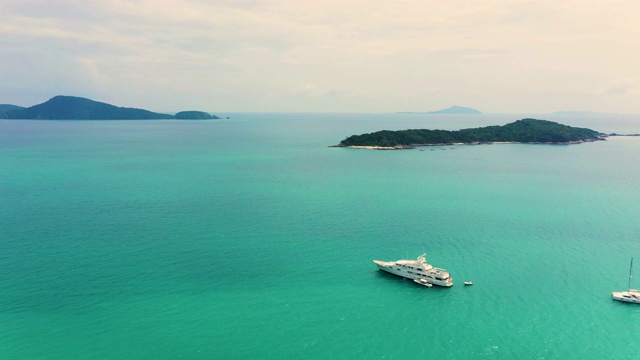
point(620, 87)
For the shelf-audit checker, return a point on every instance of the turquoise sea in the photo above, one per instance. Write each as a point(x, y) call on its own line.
point(250, 238)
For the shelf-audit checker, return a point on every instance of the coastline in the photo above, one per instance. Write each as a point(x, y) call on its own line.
point(413, 146)
point(523, 131)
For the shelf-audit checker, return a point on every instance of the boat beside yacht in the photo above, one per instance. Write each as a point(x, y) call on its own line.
point(423, 282)
point(417, 269)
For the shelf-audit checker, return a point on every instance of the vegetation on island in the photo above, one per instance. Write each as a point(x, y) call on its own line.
point(77, 108)
point(521, 131)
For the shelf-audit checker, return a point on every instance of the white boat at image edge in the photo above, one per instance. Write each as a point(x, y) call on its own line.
point(631, 295)
point(418, 270)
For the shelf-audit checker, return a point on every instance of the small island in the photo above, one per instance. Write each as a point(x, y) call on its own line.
point(194, 115)
point(525, 131)
point(77, 108)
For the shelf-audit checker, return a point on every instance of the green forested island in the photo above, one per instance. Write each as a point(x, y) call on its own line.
point(194, 115)
point(531, 131)
point(77, 108)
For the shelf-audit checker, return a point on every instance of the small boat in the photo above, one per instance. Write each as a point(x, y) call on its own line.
point(422, 282)
point(631, 295)
point(468, 283)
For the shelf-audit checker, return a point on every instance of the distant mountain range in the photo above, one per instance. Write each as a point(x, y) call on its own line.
point(460, 110)
point(576, 113)
point(77, 108)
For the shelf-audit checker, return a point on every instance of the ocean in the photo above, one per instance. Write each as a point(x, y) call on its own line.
point(251, 238)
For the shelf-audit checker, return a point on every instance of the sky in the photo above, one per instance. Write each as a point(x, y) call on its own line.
point(324, 55)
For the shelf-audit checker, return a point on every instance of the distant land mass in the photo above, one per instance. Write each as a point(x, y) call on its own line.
point(527, 131)
point(460, 110)
point(575, 113)
point(5, 108)
point(194, 115)
point(77, 108)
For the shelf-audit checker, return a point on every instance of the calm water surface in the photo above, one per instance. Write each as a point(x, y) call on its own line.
point(251, 238)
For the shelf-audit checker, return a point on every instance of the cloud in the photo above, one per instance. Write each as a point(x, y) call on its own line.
point(481, 56)
point(309, 89)
point(620, 87)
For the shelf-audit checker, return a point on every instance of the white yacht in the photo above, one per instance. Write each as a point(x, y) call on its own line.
point(416, 270)
point(631, 295)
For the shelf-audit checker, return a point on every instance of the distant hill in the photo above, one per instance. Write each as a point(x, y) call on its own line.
point(460, 110)
point(5, 108)
point(521, 131)
point(195, 115)
point(456, 110)
point(77, 108)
